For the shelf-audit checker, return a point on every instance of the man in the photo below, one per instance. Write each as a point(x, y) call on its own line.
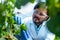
point(36, 25)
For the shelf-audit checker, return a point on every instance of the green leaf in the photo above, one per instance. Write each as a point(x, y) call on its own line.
point(23, 27)
point(32, 1)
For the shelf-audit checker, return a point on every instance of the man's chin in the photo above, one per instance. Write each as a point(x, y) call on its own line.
point(38, 23)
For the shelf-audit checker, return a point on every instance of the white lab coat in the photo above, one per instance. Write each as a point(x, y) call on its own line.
point(43, 33)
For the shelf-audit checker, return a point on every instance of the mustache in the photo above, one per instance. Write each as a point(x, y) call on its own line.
point(35, 17)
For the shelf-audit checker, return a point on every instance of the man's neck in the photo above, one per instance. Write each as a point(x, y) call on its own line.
point(37, 26)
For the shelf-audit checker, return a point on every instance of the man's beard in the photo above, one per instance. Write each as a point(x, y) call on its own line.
point(37, 23)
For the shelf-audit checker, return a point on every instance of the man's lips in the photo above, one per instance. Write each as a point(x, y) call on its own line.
point(36, 19)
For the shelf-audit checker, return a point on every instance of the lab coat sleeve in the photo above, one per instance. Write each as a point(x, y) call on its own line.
point(25, 21)
point(50, 36)
point(26, 35)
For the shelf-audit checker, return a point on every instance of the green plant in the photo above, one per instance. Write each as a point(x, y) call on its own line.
point(6, 20)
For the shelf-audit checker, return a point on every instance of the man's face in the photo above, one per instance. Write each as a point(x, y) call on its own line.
point(39, 16)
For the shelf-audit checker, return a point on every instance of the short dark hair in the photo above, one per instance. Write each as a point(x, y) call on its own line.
point(37, 6)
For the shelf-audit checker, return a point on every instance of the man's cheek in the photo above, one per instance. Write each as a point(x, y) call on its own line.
point(42, 18)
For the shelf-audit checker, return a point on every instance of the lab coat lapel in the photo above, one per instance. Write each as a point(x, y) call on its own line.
point(42, 32)
point(32, 30)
